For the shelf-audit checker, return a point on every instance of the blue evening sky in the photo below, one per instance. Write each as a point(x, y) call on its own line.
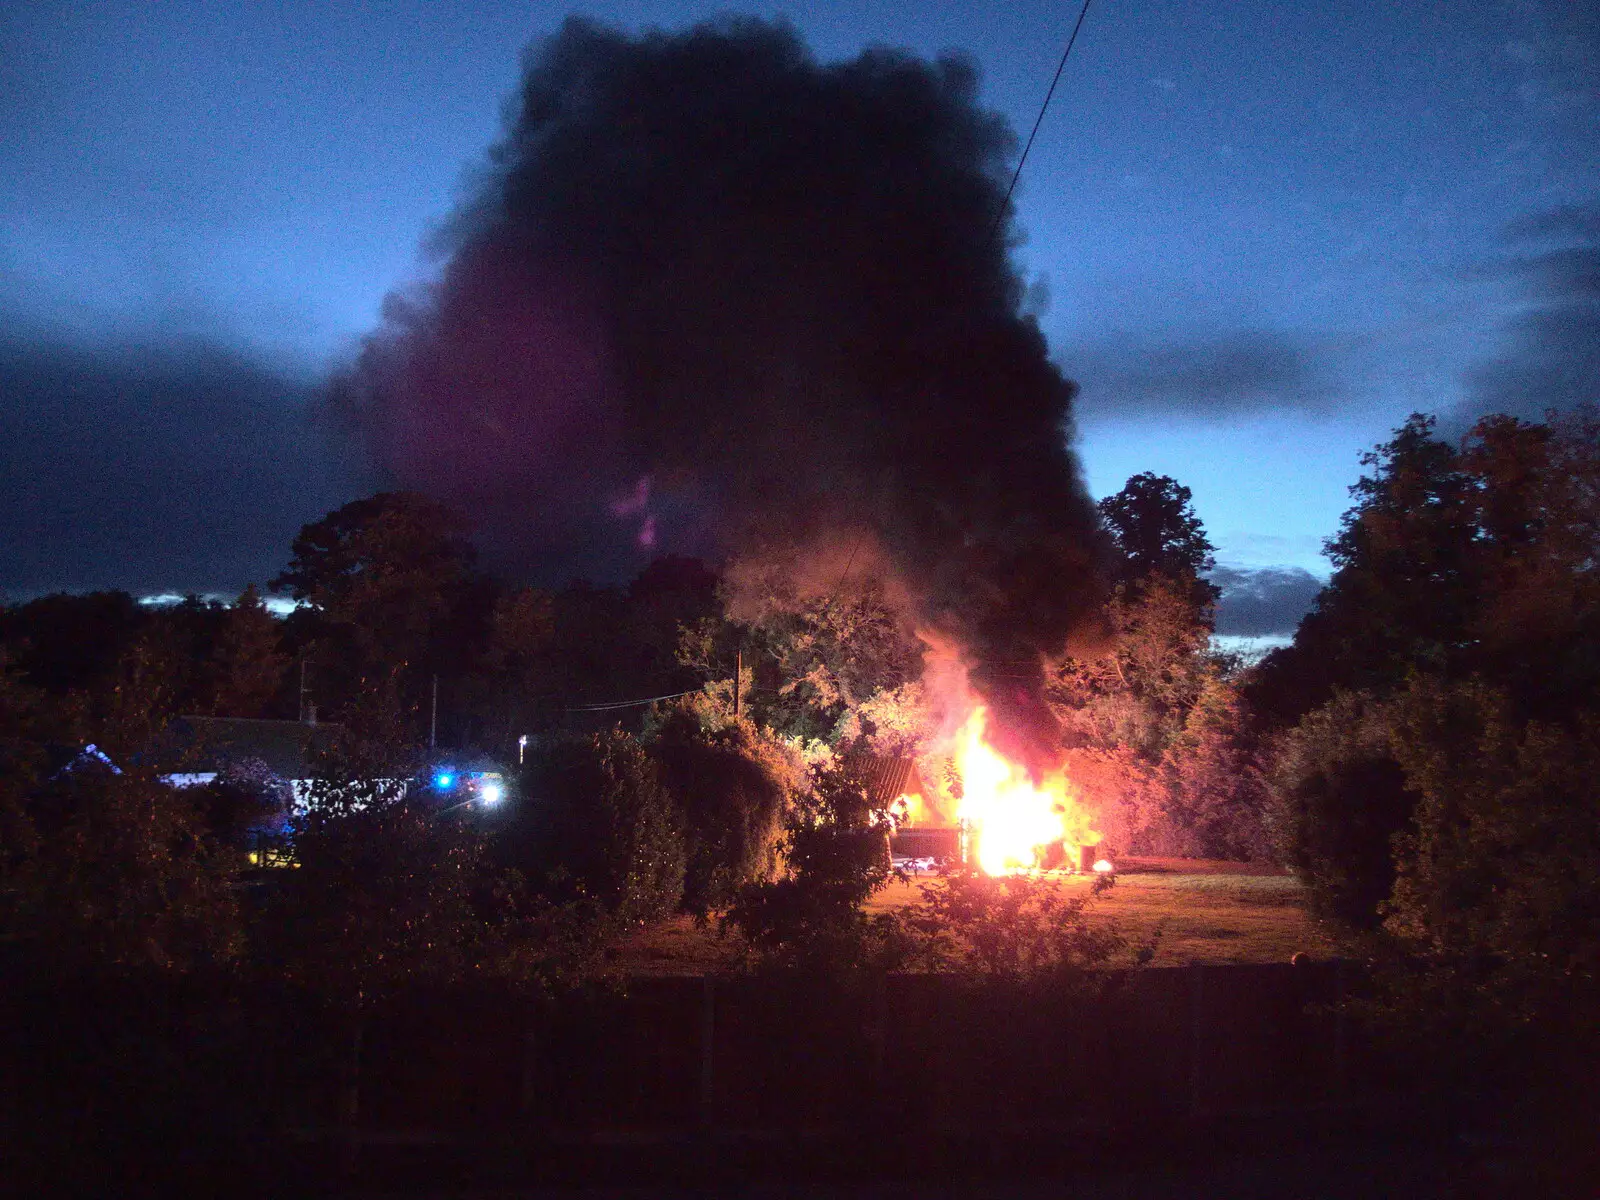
point(1259, 234)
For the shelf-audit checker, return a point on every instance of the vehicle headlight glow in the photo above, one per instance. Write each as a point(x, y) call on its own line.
point(491, 793)
point(444, 780)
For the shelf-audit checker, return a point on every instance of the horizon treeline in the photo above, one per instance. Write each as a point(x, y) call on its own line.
point(1422, 755)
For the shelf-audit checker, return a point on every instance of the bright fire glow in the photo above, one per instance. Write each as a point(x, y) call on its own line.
point(1103, 866)
point(1013, 820)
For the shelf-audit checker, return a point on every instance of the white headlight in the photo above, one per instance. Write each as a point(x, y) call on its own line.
point(491, 793)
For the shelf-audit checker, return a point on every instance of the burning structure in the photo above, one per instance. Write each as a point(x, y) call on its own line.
point(982, 808)
point(714, 297)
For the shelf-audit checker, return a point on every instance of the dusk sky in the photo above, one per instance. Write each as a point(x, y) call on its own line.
point(1258, 235)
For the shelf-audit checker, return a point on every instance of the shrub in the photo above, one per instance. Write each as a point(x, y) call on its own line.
point(604, 823)
point(1011, 928)
point(1213, 796)
point(836, 856)
point(119, 868)
point(732, 786)
point(381, 892)
point(1502, 862)
point(1341, 796)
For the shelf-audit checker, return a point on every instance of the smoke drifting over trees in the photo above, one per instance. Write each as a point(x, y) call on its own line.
point(713, 296)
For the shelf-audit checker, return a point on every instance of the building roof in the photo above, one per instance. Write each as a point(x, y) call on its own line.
point(286, 747)
point(887, 779)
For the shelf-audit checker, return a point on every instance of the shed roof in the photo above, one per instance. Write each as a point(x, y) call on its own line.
point(887, 779)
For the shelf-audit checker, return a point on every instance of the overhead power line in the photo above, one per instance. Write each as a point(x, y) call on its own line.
point(1000, 216)
point(611, 704)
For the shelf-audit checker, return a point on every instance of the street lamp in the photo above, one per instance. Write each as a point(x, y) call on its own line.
point(522, 748)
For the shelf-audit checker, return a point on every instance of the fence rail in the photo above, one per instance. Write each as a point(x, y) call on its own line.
point(742, 1059)
point(751, 1054)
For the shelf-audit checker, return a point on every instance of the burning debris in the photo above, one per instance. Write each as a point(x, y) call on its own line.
point(712, 296)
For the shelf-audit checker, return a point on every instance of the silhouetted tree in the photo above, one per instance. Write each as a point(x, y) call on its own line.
point(249, 664)
point(62, 643)
point(391, 581)
point(1404, 584)
point(1153, 524)
point(1459, 570)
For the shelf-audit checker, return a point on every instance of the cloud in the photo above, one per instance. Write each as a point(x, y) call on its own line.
point(1566, 221)
point(1551, 358)
point(1263, 602)
point(1224, 375)
point(155, 466)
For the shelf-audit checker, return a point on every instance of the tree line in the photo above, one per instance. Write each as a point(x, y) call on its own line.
point(1421, 754)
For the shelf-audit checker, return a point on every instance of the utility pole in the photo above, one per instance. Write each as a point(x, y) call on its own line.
point(433, 719)
point(302, 688)
point(738, 681)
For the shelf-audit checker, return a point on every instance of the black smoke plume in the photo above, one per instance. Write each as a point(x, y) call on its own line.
point(711, 295)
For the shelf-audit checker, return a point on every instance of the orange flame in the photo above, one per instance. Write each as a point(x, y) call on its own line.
point(1014, 821)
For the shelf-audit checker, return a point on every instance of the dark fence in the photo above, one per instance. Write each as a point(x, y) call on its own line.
point(930, 1051)
point(223, 1064)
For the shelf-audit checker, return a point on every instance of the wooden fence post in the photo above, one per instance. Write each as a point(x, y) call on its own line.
point(350, 1096)
point(1196, 1034)
point(878, 1034)
point(1341, 1082)
point(530, 1065)
point(708, 1034)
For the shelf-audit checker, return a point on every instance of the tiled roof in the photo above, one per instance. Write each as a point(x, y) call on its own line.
point(887, 779)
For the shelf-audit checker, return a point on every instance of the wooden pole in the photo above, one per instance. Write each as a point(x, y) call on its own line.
point(708, 1036)
point(1341, 1079)
point(878, 1034)
point(350, 1097)
point(1196, 1035)
point(530, 1066)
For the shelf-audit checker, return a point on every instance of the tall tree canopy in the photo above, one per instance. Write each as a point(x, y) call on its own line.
point(1153, 523)
point(1477, 559)
point(392, 583)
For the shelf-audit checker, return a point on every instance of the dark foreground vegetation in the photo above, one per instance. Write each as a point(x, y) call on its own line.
point(232, 975)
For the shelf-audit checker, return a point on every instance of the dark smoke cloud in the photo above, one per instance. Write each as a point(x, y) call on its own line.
point(1552, 355)
point(713, 294)
point(147, 467)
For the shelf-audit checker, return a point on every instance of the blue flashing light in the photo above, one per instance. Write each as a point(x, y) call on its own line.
point(444, 781)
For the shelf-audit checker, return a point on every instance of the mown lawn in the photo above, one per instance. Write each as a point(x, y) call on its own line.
point(1205, 911)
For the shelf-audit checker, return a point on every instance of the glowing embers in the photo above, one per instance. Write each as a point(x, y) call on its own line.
point(1014, 823)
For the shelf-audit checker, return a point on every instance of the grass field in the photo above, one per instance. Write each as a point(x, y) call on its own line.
point(1208, 912)
point(1205, 911)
